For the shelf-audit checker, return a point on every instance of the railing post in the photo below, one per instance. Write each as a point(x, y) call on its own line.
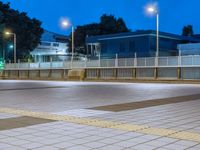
point(192, 60)
point(180, 59)
point(167, 61)
point(116, 61)
point(145, 61)
point(135, 60)
point(51, 62)
point(99, 60)
point(29, 63)
point(156, 66)
point(18, 63)
point(85, 62)
point(156, 61)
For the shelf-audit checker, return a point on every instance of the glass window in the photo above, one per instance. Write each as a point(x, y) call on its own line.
point(56, 44)
point(132, 46)
point(104, 47)
point(45, 44)
point(122, 47)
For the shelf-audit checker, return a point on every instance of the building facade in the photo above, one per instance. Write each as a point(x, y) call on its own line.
point(189, 49)
point(140, 43)
point(52, 47)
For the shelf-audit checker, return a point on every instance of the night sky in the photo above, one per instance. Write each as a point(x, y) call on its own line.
point(174, 14)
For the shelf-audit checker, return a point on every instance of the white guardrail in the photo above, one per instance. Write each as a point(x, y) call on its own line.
point(174, 61)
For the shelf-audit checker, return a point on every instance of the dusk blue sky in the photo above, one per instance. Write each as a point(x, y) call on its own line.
point(174, 14)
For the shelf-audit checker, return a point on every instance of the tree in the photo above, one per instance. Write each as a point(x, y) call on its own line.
point(28, 30)
point(188, 30)
point(121, 26)
point(108, 25)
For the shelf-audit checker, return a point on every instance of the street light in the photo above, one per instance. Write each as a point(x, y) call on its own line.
point(15, 39)
point(154, 10)
point(65, 24)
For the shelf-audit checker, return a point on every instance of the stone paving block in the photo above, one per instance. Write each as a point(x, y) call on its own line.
point(175, 147)
point(31, 145)
point(47, 148)
point(64, 145)
point(94, 145)
point(144, 147)
point(14, 148)
point(111, 147)
point(4, 145)
point(186, 143)
point(79, 147)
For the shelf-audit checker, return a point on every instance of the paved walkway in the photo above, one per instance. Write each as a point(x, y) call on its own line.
point(173, 124)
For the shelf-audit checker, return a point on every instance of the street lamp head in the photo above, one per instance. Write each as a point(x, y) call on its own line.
point(65, 23)
point(7, 33)
point(151, 9)
point(11, 46)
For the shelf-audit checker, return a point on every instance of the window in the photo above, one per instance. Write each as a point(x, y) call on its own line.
point(132, 46)
point(104, 47)
point(45, 44)
point(122, 47)
point(56, 44)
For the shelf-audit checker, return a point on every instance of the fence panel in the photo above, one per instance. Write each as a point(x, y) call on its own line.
point(78, 64)
point(45, 65)
point(141, 62)
point(173, 61)
point(196, 60)
point(186, 60)
point(145, 73)
point(125, 73)
point(34, 65)
point(93, 63)
point(190, 73)
point(150, 61)
point(91, 73)
point(106, 73)
point(57, 65)
point(108, 63)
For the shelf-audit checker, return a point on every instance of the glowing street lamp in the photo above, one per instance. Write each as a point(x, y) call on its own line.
point(65, 24)
point(154, 10)
point(15, 44)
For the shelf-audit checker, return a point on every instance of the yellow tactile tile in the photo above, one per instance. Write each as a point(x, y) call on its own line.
point(129, 127)
point(183, 135)
point(158, 131)
point(103, 123)
point(186, 136)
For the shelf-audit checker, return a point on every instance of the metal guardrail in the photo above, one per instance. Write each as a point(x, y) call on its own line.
point(174, 61)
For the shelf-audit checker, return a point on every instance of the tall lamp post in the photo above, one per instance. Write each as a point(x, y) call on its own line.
point(15, 44)
point(66, 24)
point(154, 10)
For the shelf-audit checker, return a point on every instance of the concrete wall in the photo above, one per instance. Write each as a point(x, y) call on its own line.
point(164, 73)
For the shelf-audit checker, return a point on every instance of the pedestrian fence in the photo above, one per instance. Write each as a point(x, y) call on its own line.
point(176, 67)
point(173, 61)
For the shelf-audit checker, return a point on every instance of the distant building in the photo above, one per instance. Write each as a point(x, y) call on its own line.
point(53, 46)
point(143, 43)
point(189, 49)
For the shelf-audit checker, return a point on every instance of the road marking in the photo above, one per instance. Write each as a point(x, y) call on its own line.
point(183, 135)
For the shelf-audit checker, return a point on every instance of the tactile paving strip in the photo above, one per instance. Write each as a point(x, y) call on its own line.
point(183, 135)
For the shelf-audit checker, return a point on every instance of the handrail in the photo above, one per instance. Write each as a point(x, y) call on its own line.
point(173, 61)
